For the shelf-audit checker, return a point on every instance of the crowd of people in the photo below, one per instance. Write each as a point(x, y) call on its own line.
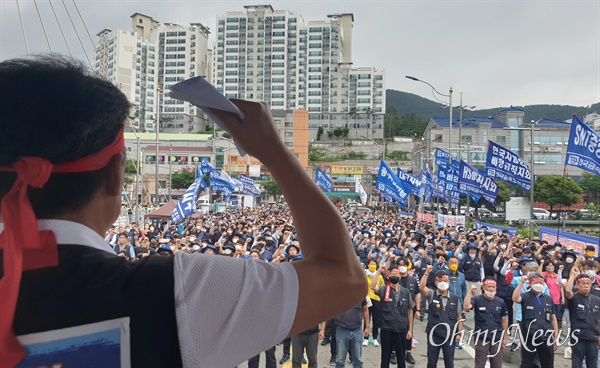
point(515, 286)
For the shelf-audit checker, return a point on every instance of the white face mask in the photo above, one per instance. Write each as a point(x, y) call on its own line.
point(529, 274)
point(382, 250)
point(443, 286)
point(590, 273)
point(388, 235)
point(537, 288)
point(402, 269)
point(569, 260)
point(490, 294)
point(551, 253)
point(421, 251)
point(472, 255)
point(503, 247)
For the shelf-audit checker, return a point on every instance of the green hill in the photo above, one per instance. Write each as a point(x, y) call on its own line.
point(408, 103)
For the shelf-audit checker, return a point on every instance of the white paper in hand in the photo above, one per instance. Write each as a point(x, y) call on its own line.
point(202, 94)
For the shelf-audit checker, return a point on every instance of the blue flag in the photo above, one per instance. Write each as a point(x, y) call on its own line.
point(187, 204)
point(584, 147)
point(410, 181)
point(389, 183)
point(441, 157)
point(472, 180)
point(505, 165)
point(223, 186)
point(207, 168)
point(323, 181)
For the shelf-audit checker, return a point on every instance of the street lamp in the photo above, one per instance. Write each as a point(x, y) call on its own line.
point(532, 178)
point(461, 108)
point(449, 95)
point(377, 144)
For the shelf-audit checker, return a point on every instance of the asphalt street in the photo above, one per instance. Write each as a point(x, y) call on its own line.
point(464, 358)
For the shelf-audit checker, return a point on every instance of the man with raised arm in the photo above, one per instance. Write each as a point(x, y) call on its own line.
point(62, 156)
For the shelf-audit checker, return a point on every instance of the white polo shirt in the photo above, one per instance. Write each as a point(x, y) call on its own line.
point(227, 310)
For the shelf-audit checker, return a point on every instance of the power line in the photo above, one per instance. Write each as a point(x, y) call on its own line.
point(60, 27)
point(84, 25)
point(43, 26)
point(23, 30)
point(77, 33)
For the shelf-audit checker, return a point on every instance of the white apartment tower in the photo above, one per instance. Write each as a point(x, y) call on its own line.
point(277, 57)
point(146, 61)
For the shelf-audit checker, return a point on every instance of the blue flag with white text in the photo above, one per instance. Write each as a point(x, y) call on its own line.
point(323, 181)
point(505, 165)
point(207, 168)
point(584, 147)
point(471, 180)
point(187, 204)
point(410, 181)
point(389, 183)
point(223, 186)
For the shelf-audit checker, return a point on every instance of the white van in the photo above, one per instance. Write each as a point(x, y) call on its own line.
point(541, 214)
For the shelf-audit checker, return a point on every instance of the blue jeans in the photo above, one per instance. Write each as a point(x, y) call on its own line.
point(349, 340)
point(597, 364)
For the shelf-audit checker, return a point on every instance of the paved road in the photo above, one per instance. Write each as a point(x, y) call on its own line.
point(464, 358)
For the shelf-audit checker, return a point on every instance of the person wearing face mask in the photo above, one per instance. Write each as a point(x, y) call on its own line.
point(530, 268)
point(472, 267)
point(374, 309)
point(410, 283)
point(444, 319)
point(583, 308)
point(396, 317)
point(552, 277)
point(539, 326)
point(420, 263)
point(491, 323)
point(458, 284)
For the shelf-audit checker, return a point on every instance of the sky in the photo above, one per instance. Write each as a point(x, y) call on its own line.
point(496, 53)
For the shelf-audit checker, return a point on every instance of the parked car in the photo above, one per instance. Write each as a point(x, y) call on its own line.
point(586, 214)
point(541, 214)
point(485, 213)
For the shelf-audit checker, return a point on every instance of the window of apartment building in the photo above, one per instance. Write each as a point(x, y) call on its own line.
point(438, 138)
point(314, 101)
point(289, 144)
point(466, 138)
point(277, 80)
point(277, 88)
point(231, 72)
point(315, 46)
point(315, 29)
point(364, 100)
point(500, 139)
point(289, 134)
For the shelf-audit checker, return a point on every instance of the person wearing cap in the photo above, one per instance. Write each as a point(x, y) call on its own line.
point(123, 244)
point(61, 175)
point(458, 284)
point(538, 326)
point(590, 252)
point(491, 323)
point(584, 312)
point(472, 267)
point(444, 321)
point(396, 317)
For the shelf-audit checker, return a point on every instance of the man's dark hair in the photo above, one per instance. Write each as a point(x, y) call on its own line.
point(53, 108)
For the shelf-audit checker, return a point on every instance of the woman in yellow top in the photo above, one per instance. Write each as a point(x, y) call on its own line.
point(374, 309)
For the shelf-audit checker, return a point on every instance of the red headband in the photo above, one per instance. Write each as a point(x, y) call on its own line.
point(489, 282)
point(26, 248)
point(584, 279)
point(444, 277)
point(534, 278)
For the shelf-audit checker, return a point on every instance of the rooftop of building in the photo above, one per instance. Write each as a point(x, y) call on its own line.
point(169, 137)
point(467, 123)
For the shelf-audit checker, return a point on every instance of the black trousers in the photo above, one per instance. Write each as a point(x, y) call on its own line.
point(392, 341)
point(433, 351)
point(286, 346)
point(540, 349)
point(584, 349)
point(509, 306)
point(333, 340)
point(269, 357)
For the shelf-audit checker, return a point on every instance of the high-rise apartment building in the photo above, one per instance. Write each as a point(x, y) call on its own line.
point(146, 61)
point(277, 57)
